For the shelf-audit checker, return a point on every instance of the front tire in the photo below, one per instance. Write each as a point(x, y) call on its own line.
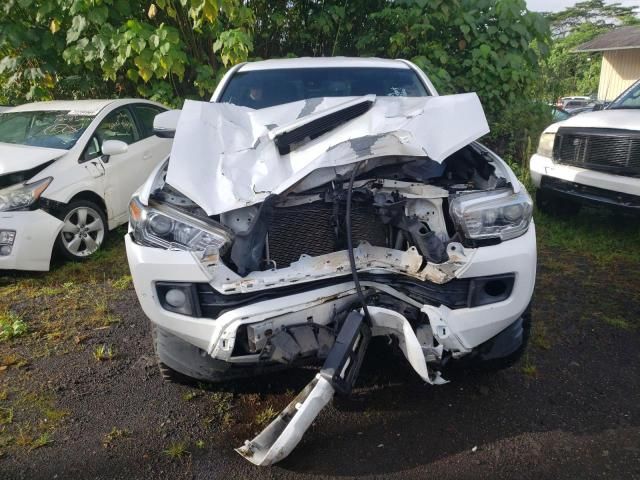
point(83, 231)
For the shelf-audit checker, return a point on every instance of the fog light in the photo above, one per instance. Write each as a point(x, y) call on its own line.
point(179, 297)
point(5, 250)
point(176, 298)
point(491, 289)
point(7, 237)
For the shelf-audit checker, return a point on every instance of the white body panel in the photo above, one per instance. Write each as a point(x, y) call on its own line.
point(541, 165)
point(625, 119)
point(36, 232)
point(471, 326)
point(226, 158)
point(114, 181)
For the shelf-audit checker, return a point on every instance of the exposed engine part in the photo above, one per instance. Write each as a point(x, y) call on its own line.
point(295, 343)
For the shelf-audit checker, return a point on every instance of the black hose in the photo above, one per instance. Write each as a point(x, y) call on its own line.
point(352, 259)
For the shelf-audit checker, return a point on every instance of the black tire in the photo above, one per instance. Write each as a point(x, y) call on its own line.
point(181, 362)
point(81, 244)
point(549, 203)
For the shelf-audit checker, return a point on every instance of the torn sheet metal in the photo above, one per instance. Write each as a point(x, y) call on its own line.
point(282, 435)
point(308, 269)
point(226, 157)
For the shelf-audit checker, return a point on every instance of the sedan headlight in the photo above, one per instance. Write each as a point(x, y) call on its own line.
point(19, 197)
point(162, 226)
point(497, 214)
point(545, 147)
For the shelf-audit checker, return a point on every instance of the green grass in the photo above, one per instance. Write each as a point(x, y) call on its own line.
point(115, 434)
point(177, 450)
point(122, 283)
point(41, 441)
point(104, 352)
point(618, 322)
point(264, 417)
point(11, 325)
point(600, 234)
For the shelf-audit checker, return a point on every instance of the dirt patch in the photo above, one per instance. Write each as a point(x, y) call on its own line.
point(569, 410)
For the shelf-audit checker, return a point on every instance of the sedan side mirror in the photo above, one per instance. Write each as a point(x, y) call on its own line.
point(113, 147)
point(598, 106)
point(164, 124)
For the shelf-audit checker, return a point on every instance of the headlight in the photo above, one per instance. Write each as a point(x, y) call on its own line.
point(499, 214)
point(20, 197)
point(162, 226)
point(545, 147)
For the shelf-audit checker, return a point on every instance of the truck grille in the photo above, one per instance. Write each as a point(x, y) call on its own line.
point(310, 229)
point(608, 150)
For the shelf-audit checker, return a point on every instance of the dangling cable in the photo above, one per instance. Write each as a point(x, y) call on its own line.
point(352, 259)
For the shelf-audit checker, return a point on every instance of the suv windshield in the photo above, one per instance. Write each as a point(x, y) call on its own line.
point(266, 88)
point(52, 129)
point(629, 99)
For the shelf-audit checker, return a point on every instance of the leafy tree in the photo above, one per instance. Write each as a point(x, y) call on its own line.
point(567, 72)
point(169, 50)
point(165, 50)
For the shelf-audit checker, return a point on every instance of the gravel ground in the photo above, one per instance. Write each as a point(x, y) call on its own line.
point(569, 409)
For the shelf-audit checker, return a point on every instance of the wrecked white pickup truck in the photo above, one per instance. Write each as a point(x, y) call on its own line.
point(315, 203)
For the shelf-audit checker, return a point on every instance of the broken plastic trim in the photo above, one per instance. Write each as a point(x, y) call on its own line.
point(282, 435)
point(289, 140)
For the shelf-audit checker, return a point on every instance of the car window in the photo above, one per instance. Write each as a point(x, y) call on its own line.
point(266, 88)
point(628, 99)
point(145, 115)
point(47, 128)
point(118, 125)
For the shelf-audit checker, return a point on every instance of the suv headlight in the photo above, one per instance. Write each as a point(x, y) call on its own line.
point(545, 147)
point(22, 196)
point(162, 226)
point(497, 214)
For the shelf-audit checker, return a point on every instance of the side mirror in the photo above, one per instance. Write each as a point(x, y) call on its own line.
point(113, 147)
point(598, 106)
point(164, 124)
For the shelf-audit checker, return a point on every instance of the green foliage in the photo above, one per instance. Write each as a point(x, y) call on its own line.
point(11, 325)
point(464, 45)
point(92, 48)
point(566, 72)
point(169, 50)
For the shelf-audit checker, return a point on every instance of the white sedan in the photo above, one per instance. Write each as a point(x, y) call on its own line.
point(67, 172)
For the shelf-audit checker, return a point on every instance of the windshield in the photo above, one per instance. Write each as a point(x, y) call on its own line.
point(629, 99)
point(266, 88)
point(52, 129)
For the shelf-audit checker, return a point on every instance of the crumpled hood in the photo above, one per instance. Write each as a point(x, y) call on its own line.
point(626, 119)
point(226, 157)
point(16, 158)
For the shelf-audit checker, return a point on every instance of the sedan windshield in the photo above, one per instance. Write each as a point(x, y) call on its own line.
point(266, 88)
point(52, 129)
point(629, 99)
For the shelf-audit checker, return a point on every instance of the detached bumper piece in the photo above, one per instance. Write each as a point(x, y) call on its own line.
point(338, 374)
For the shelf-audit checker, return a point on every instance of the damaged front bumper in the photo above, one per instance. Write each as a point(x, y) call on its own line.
point(458, 329)
point(33, 234)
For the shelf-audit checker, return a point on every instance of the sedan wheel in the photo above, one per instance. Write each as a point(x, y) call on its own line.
point(83, 230)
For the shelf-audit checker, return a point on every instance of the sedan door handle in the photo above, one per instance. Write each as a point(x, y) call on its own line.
point(146, 155)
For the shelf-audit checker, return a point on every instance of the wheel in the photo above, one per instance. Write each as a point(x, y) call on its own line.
point(552, 204)
point(83, 232)
point(181, 362)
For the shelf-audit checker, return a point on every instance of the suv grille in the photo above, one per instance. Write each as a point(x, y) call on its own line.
point(607, 150)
